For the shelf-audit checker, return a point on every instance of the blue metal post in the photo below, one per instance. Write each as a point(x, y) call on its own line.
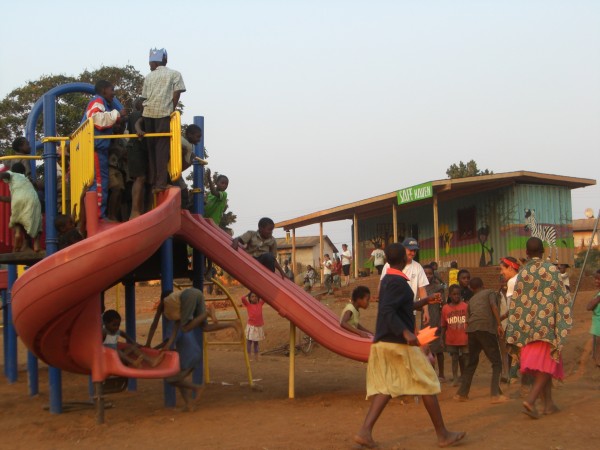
point(166, 270)
point(50, 159)
point(198, 257)
point(5, 331)
point(130, 322)
point(33, 374)
point(11, 335)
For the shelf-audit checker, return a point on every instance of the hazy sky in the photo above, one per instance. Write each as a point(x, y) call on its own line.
point(313, 104)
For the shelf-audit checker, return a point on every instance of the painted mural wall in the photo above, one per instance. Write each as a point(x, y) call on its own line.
point(479, 229)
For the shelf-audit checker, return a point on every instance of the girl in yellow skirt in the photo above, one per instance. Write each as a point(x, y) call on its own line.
point(397, 366)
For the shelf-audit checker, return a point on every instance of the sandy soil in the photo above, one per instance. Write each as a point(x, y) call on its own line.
point(329, 405)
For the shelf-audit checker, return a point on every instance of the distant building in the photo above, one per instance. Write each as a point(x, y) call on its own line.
point(582, 233)
point(474, 220)
point(307, 251)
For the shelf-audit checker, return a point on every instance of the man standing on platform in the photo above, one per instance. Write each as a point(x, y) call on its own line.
point(161, 92)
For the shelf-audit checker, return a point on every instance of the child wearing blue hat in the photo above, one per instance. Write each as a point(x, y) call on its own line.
point(161, 91)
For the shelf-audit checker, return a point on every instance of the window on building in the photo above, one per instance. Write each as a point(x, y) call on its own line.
point(467, 219)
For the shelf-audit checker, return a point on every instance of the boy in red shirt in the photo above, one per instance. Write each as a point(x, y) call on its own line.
point(454, 332)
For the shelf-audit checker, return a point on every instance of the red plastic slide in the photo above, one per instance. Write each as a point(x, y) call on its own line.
point(287, 298)
point(56, 303)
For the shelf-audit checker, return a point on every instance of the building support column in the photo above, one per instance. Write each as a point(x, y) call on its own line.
point(355, 245)
point(294, 268)
point(321, 250)
point(395, 221)
point(436, 232)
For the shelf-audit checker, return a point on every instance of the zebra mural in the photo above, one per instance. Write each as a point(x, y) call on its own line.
point(546, 233)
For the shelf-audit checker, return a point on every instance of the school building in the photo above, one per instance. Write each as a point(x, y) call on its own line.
point(474, 221)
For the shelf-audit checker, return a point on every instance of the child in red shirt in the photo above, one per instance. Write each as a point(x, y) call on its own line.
point(454, 331)
point(254, 326)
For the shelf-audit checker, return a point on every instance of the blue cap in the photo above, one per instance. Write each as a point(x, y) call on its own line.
point(410, 243)
point(157, 54)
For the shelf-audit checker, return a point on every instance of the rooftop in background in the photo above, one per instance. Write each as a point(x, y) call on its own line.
point(304, 242)
point(584, 224)
point(446, 189)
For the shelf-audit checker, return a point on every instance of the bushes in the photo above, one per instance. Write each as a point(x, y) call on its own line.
point(593, 261)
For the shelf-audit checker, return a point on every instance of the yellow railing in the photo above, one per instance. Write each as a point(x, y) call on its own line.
point(61, 143)
point(175, 141)
point(175, 159)
point(81, 154)
point(81, 149)
point(205, 342)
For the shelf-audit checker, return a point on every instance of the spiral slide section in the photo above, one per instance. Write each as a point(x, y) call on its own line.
point(287, 298)
point(56, 303)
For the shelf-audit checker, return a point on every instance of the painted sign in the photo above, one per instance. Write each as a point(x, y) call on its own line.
point(415, 193)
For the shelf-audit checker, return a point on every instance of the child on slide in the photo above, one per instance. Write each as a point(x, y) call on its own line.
point(261, 245)
point(350, 319)
point(131, 354)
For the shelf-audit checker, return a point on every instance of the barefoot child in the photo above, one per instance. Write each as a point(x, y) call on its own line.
point(131, 355)
point(254, 326)
point(25, 209)
point(350, 319)
point(187, 310)
point(464, 276)
point(435, 318)
point(454, 332)
point(594, 306)
point(539, 321)
point(261, 245)
point(483, 329)
point(396, 365)
point(564, 275)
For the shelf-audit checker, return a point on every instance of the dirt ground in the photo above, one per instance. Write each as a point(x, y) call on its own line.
point(328, 409)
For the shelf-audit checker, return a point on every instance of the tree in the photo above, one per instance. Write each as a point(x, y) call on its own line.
point(463, 170)
point(17, 105)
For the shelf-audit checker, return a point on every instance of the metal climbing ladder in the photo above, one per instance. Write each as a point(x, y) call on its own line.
point(206, 343)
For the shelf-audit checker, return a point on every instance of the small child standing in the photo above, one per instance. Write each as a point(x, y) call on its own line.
point(454, 332)
point(435, 318)
point(350, 319)
point(309, 278)
point(336, 271)
point(254, 326)
point(564, 276)
point(464, 277)
point(594, 306)
point(453, 273)
point(25, 209)
point(131, 354)
point(327, 277)
point(483, 330)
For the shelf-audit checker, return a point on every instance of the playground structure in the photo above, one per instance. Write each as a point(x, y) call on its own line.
point(55, 304)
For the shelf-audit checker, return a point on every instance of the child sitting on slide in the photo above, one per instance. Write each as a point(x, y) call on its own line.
point(131, 355)
point(261, 244)
point(350, 319)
